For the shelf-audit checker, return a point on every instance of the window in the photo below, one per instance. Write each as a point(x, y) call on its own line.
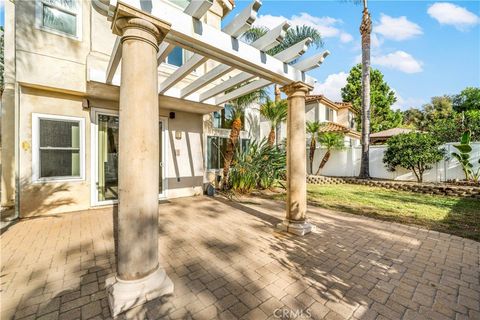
point(351, 120)
point(216, 149)
point(328, 114)
point(59, 16)
point(223, 119)
point(175, 58)
point(58, 147)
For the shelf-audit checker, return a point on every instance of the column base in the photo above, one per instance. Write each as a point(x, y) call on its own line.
point(126, 294)
point(299, 228)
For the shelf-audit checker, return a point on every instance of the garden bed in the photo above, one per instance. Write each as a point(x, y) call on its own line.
point(445, 189)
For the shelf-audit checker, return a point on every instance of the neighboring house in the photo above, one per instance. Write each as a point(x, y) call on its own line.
point(337, 116)
point(381, 137)
point(60, 123)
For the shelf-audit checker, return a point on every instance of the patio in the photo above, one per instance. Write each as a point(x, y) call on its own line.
point(228, 261)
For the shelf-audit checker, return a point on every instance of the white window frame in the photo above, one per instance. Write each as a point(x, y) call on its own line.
point(36, 117)
point(39, 18)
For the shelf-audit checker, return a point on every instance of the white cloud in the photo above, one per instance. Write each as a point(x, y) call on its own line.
point(332, 85)
point(407, 103)
point(451, 14)
point(397, 29)
point(398, 60)
point(327, 26)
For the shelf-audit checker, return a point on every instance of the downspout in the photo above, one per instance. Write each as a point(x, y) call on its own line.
point(17, 119)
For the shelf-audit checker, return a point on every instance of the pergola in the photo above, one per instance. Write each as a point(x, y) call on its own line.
point(147, 32)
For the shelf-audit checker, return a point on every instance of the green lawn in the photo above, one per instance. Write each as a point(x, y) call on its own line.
point(453, 215)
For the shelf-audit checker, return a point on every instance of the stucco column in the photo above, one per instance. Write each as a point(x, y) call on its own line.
point(139, 277)
point(296, 217)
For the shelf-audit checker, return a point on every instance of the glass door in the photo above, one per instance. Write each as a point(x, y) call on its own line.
point(106, 155)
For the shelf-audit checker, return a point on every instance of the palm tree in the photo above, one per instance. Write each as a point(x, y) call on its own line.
point(238, 105)
point(276, 113)
point(331, 141)
point(313, 128)
point(292, 36)
point(365, 31)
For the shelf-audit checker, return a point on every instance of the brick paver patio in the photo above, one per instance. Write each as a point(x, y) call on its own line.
point(228, 262)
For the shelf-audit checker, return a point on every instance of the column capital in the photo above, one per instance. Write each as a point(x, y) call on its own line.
point(127, 17)
point(296, 89)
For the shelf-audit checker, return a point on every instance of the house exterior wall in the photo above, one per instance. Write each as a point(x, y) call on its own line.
point(48, 73)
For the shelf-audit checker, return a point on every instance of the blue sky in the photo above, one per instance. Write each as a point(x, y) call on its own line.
point(424, 48)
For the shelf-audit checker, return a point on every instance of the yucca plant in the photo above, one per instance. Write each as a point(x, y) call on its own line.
point(259, 165)
point(463, 155)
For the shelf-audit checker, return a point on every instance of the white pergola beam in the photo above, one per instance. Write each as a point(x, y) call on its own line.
point(114, 60)
point(214, 74)
point(287, 55)
point(163, 51)
point(184, 70)
point(272, 38)
point(246, 89)
point(244, 20)
point(305, 65)
point(268, 41)
point(311, 63)
point(225, 85)
point(237, 27)
point(198, 8)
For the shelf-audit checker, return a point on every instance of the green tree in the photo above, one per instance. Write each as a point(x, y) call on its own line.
point(330, 141)
point(468, 99)
point(313, 127)
point(438, 108)
point(275, 112)
point(382, 99)
point(413, 151)
point(414, 118)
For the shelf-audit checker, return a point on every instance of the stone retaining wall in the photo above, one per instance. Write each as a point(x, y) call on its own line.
point(427, 188)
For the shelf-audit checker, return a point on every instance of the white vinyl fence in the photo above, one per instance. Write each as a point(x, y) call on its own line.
point(346, 163)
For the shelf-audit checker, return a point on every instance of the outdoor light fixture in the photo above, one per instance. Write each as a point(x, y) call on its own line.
point(178, 135)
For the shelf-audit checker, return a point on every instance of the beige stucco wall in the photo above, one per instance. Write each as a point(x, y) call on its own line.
point(50, 197)
point(184, 158)
point(51, 75)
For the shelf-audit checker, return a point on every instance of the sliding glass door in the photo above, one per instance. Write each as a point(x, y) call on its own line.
point(105, 157)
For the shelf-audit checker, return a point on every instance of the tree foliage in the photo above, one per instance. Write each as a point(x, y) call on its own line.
point(330, 141)
point(468, 99)
point(413, 151)
point(440, 118)
point(382, 99)
point(312, 128)
point(275, 112)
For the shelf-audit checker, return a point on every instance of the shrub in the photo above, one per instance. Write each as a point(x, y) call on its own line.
point(259, 165)
point(414, 151)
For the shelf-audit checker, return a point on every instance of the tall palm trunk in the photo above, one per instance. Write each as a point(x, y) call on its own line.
point(271, 136)
point(365, 31)
point(324, 161)
point(313, 146)
point(231, 144)
point(278, 97)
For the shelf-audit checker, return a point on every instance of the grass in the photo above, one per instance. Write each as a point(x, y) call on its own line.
point(452, 215)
